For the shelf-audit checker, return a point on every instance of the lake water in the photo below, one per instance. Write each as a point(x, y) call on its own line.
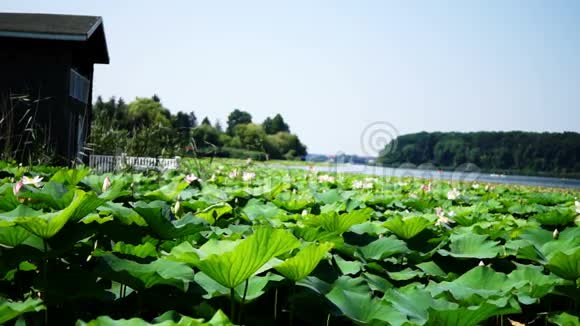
point(443, 175)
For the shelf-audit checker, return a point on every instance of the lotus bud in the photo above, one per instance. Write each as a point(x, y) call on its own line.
point(481, 263)
point(106, 184)
point(17, 187)
point(177, 208)
point(555, 234)
point(304, 212)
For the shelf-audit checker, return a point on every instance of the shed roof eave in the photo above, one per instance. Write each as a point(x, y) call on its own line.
point(44, 36)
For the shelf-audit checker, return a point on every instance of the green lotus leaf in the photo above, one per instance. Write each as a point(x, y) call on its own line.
point(531, 283)
point(256, 209)
point(408, 227)
point(12, 236)
point(139, 276)
point(410, 301)
point(560, 216)
point(123, 214)
point(564, 319)
point(405, 275)
point(9, 218)
point(383, 248)
point(9, 201)
point(142, 250)
point(352, 297)
point(167, 193)
point(213, 212)
point(339, 224)
point(48, 224)
point(348, 267)
point(167, 319)
point(157, 215)
point(293, 202)
point(329, 197)
point(566, 264)
point(12, 309)
point(451, 314)
point(256, 286)
point(470, 245)
point(479, 282)
point(432, 269)
point(53, 195)
point(301, 265)
point(70, 176)
point(233, 267)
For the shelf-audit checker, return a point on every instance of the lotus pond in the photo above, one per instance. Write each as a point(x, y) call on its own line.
point(224, 244)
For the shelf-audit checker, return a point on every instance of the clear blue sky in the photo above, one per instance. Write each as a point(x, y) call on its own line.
point(333, 67)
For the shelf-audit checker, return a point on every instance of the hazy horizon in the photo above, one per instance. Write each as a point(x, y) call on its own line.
point(332, 68)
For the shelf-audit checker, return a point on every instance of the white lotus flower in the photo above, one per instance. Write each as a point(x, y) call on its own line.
point(106, 184)
point(32, 181)
point(234, 174)
point(304, 212)
point(249, 161)
point(475, 186)
point(325, 178)
point(359, 184)
point(247, 176)
point(444, 221)
point(453, 194)
point(577, 204)
point(426, 187)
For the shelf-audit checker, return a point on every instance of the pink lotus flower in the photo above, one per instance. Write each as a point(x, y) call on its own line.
point(191, 178)
point(17, 186)
point(234, 174)
point(106, 184)
point(426, 187)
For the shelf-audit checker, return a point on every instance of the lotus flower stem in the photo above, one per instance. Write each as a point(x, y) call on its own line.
point(45, 278)
point(232, 303)
point(240, 314)
point(292, 298)
point(276, 304)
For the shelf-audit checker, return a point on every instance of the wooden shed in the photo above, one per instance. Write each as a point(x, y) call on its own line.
point(46, 81)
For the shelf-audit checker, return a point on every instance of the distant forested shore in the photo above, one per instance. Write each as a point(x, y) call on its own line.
point(513, 152)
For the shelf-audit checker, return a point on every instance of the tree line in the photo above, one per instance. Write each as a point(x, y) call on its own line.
point(145, 127)
point(507, 152)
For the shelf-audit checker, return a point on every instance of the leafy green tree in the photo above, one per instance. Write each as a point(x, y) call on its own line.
point(237, 117)
point(251, 136)
point(146, 113)
point(206, 136)
point(206, 121)
point(275, 125)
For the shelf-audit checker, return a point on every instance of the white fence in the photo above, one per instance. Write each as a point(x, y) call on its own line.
point(109, 163)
